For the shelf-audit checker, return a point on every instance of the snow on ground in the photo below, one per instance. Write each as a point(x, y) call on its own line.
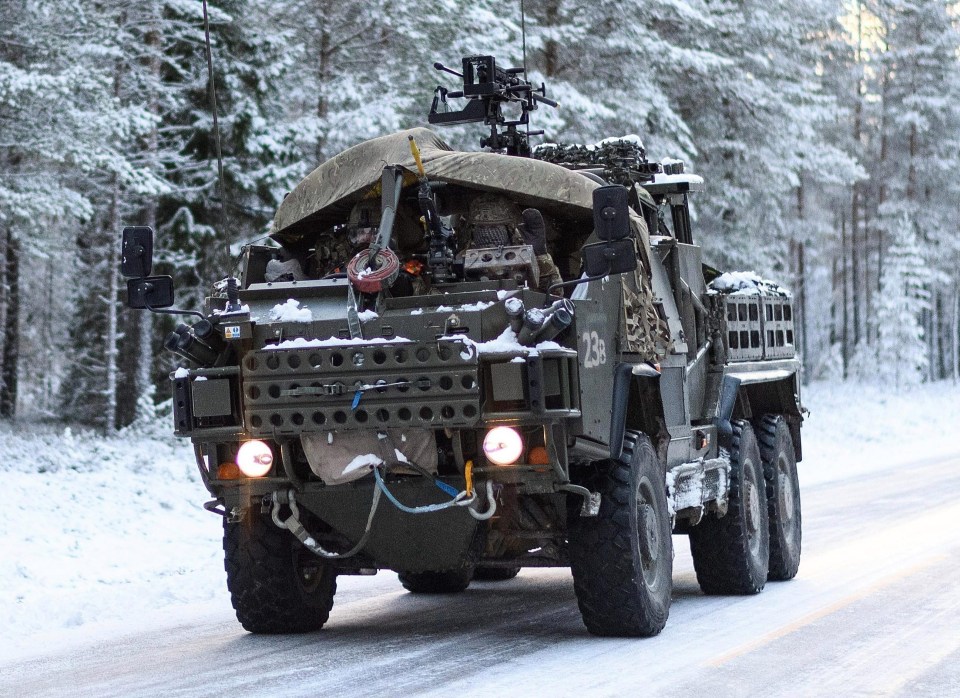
point(856, 428)
point(92, 528)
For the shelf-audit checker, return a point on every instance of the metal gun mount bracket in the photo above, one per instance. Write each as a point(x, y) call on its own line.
point(512, 262)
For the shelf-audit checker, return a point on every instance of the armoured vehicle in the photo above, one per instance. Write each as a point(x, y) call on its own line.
point(397, 384)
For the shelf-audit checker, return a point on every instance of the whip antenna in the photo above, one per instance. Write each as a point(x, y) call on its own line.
point(216, 123)
point(523, 35)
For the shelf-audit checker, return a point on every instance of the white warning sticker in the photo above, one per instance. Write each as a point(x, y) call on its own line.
point(231, 332)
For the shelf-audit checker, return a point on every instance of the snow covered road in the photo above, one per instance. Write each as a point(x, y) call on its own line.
point(874, 611)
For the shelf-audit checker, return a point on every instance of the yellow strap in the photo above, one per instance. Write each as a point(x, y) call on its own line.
point(468, 475)
point(416, 156)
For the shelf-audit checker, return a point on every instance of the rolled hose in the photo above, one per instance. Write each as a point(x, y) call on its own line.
point(368, 280)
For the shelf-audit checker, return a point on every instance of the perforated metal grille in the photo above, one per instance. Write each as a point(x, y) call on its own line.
point(289, 391)
point(744, 333)
point(759, 327)
point(778, 328)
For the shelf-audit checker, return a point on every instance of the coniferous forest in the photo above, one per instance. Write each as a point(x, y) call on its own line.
point(828, 133)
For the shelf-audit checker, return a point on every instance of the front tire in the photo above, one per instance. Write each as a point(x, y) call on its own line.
point(731, 554)
point(276, 585)
point(783, 497)
point(622, 559)
point(449, 582)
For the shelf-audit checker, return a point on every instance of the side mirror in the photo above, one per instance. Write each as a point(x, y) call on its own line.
point(613, 257)
point(611, 214)
point(136, 253)
point(150, 292)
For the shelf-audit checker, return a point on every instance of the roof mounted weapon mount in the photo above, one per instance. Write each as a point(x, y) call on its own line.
point(487, 88)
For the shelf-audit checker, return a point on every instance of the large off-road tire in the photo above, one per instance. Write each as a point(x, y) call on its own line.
point(450, 582)
point(495, 574)
point(276, 585)
point(783, 496)
point(731, 554)
point(622, 559)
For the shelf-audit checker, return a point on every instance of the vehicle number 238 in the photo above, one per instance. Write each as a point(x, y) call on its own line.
point(594, 350)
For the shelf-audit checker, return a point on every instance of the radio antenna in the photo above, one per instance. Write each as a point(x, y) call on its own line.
point(523, 35)
point(216, 123)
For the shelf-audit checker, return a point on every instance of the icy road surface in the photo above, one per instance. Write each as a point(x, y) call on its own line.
point(875, 610)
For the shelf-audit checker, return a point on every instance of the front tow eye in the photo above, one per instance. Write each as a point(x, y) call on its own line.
point(591, 500)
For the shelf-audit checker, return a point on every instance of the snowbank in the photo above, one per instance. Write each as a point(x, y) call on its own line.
point(97, 530)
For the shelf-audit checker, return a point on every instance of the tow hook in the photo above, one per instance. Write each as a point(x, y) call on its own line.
point(591, 500)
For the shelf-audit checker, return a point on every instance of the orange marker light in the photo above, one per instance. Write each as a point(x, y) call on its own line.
point(228, 471)
point(538, 456)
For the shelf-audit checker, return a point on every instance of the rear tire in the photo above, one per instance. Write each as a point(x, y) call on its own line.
point(783, 497)
point(495, 574)
point(276, 585)
point(622, 559)
point(731, 554)
point(449, 582)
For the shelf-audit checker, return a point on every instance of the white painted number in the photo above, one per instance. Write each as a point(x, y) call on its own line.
point(594, 350)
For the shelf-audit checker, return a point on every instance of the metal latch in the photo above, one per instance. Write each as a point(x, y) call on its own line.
point(315, 391)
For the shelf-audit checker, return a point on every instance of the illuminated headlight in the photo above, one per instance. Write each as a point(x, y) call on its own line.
point(254, 459)
point(503, 446)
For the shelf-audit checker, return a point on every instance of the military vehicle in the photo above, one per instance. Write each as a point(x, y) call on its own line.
point(428, 405)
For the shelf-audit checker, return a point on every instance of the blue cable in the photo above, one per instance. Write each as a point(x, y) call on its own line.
point(411, 510)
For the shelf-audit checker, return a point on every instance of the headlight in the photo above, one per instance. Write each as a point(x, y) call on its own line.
point(503, 446)
point(254, 459)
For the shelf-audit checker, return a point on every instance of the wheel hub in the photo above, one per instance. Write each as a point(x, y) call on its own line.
point(753, 506)
point(649, 535)
point(786, 493)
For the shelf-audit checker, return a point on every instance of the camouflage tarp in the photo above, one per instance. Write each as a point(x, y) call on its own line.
point(327, 194)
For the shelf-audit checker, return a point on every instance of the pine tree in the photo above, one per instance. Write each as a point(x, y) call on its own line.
point(901, 349)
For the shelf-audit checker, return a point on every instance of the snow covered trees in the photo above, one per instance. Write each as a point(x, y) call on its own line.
point(826, 130)
point(901, 91)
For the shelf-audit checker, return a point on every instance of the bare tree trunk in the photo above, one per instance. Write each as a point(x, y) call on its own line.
point(49, 342)
point(936, 350)
point(834, 275)
point(855, 198)
point(867, 288)
point(855, 264)
point(802, 298)
point(800, 284)
point(143, 377)
point(145, 350)
point(955, 333)
point(4, 296)
point(323, 104)
point(11, 332)
point(844, 336)
point(113, 285)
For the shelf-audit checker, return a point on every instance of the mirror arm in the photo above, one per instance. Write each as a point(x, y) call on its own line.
point(574, 282)
point(174, 311)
